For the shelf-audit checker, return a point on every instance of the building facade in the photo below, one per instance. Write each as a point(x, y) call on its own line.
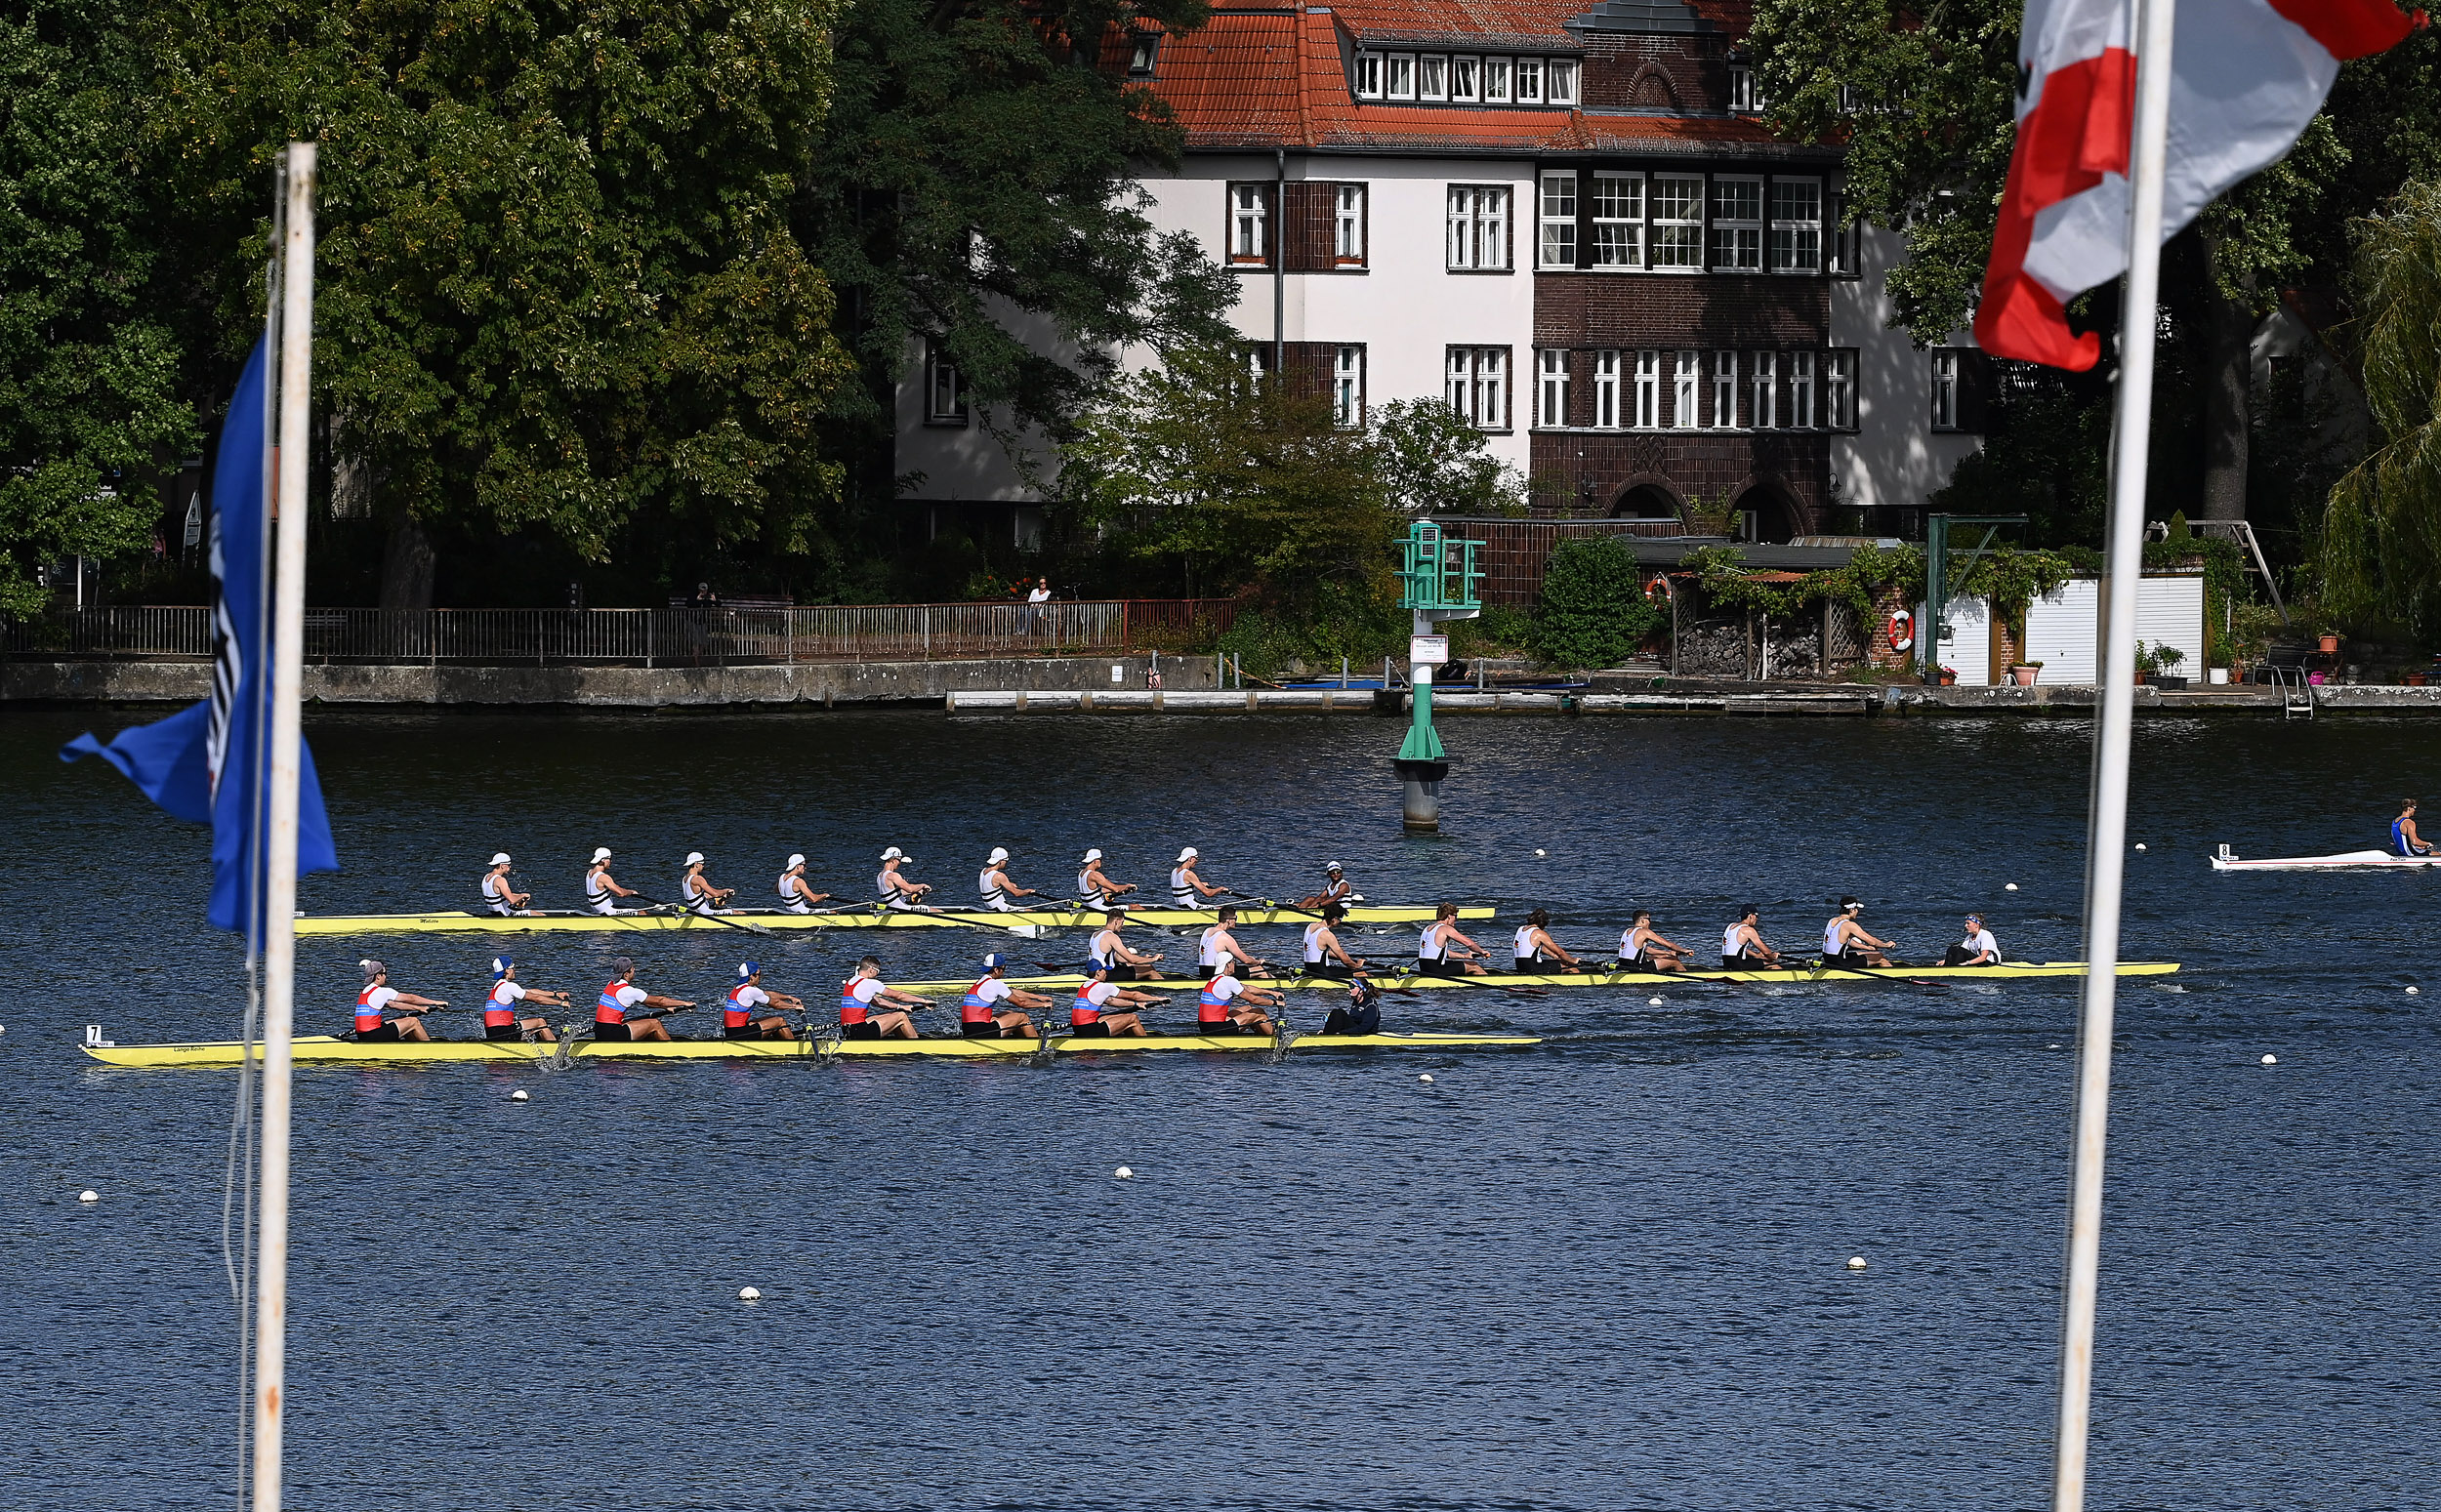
point(1571, 224)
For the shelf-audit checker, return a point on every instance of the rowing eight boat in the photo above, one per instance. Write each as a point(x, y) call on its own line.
point(1412, 981)
point(865, 917)
point(319, 1049)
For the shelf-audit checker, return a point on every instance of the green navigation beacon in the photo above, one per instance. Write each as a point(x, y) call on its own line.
point(1439, 583)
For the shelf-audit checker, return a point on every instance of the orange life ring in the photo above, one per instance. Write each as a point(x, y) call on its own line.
point(1659, 588)
point(1901, 630)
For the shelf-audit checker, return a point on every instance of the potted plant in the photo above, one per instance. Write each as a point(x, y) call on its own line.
point(2023, 674)
point(2326, 643)
point(1949, 677)
point(2165, 660)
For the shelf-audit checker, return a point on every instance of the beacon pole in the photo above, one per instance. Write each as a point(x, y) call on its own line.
point(279, 870)
point(2107, 824)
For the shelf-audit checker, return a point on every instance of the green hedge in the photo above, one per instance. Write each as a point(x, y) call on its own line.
point(1593, 610)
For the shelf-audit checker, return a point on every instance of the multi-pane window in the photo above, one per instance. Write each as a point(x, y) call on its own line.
point(1479, 385)
point(1347, 387)
point(1478, 227)
point(1250, 223)
point(1842, 258)
point(1737, 224)
point(1560, 220)
point(1550, 387)
point(1851, 99)
point(1432, 77)
point(1801, 390)
point(1368, 75)
point(1763, 370)
point(1838, 389)
point(1945, 391)
point(1745, 96)
point(1398, 75)
point(1683, 388)
point(1559, 81)
point(1677, 235)
point(1724, 391)
point(1796, 225)
point(1606, 391)
point(1348, 225)
point(1466, 80)
point(1647, 389)
point(1529, 81)
point(1618, 220)
point(944, 394)
point(1497, 74)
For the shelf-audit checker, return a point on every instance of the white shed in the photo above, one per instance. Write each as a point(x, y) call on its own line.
point(2063, 633)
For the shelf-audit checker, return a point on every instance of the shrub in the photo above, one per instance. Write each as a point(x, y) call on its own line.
point(1593, 612)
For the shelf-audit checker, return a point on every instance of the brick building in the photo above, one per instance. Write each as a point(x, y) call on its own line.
point(1573, 225)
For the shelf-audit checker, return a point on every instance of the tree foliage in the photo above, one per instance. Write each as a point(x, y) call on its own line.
point(1434, 463)
point(1593, 611)
point(2380, 553)
point(89, 396)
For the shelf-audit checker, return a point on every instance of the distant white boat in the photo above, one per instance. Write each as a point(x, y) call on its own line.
point(2349, 860)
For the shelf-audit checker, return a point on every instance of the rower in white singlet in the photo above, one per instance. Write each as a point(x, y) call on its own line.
point(797, 895)
point(1324, 956)
point(1535, 946)
point(893, 887)
point(1439, 947)
point(602, 891)
point(1111, 955)
point(1641, 947)
point(695, 893)
point(1094, 889)
point(1336, 889)
point(1847, 943)
point(500, 895)
point(1220, 944)
point(1742, 947)
point(994, 885)
point(1186, 889)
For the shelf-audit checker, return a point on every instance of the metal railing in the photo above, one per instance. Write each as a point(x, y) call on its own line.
point(651, 638)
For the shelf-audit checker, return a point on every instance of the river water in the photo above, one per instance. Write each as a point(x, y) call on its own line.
point(1606, 1273)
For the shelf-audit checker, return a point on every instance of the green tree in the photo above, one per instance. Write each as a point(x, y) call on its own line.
point(558, 289)
point(89, 394)
point(2381, 551)
point(1434, 463)
point(975, 186)
point(1593, 611)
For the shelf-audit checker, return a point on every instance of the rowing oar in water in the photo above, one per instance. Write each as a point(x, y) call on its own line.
point(734, 923)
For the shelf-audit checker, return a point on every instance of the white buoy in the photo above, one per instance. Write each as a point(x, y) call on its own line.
point(1425, 1078)
point(89, 1195)
point(2140, 845)
point(749, 1295)
point(2411, 992)
point(1856, 1262)
point(2054, 1047)
point(519, 1096)
point(1652, 1002)
point(2271, 1060)
point(4, 1028)
point(1125, 1173)
point(2011, 887)
point(1541, 852)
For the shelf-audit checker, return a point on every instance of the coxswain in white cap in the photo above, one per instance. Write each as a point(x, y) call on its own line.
point(626, 1011)
point(894, 888)
point(695, 891)
point(994, 885)
point(1186, 889)
point(1093, 886)
point(504, 1017)
point(602, 891)
point(992, 1009)
point(385, 1016)
point(741, 1010)
point(499, 895)
point(797, 895)
point(1336, 889)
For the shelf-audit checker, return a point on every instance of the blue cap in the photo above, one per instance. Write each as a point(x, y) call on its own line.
point(747, 969)
point(994, 961)
point(500, 965)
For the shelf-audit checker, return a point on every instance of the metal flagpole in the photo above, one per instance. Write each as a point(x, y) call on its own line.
point(279, 870)
point(2107, 824)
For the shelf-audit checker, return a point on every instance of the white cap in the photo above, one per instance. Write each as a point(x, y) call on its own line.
point(996, 856)
point(797, 858)
point(1188, 854)
point(500, 859)
point(694, 858)
point(601, 852)
point(1091, 856)
point(1333, 866)
point(895, 854)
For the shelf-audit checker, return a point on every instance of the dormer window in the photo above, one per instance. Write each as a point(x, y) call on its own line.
point(1559, 81)
point(1529, 81)
point(1744, 98)
point(1399, 76)
point(1432, 77)
point(1368, 75)
point(1141, 57)
point(1497, 74)
point(1466, 80)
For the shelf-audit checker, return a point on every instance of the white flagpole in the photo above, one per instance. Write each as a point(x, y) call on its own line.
point(279, 868)
point(2106, 841)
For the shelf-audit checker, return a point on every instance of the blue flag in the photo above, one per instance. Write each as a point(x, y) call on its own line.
point(211, 763)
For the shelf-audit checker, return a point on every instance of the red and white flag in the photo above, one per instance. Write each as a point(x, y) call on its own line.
point(2246, 77)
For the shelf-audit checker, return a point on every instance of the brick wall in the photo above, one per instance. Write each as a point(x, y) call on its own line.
point(1658, 310)
point(1686, 72)
point(1787, 467)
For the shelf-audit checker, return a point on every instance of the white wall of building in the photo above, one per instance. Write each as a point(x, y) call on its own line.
point(2062, 634)
point(1895, 457)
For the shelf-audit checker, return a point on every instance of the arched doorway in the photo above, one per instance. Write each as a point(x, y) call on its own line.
point(1646, 501)
point(1763, 514)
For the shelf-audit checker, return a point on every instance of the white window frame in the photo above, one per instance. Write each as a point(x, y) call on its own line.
point(1477, 385)
point(1795, 245)
point(1839, 389)
point(1801, 391)
point(1625, 228)
point(1499, 75)
point(1398, 75)
point(1839, 248)
point(1550, 387)
point(1556, 209)
point(1762, 382)
point(1347, 226)
point(1944, 388)
point(1606, 412)
point(1529, 81)
point(1479, 225)
point(1675, 244)
point(1741, 235)
point(1368, 84)
point(1143, 54)
point(1746, 96)
point(944, 390)
point(1466, 80)
point(1250, 221)
point(1559, 81)
point(1347, 388)
point(1685, 382)
point(1724, 391)
point(1647, 415)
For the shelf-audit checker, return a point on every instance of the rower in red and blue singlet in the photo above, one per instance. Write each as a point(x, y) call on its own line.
point(991, 1008)
point(1102, 1008)
point(869, 1009)
point(504, 1017)
point(1228, 1006)
point(620, 994)
point(741, 1007)
point(375, 1023)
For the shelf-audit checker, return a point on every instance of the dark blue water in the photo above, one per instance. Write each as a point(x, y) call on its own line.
point(1606, 1273)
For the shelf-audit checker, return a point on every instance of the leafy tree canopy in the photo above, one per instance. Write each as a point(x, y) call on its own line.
point(1434, 463)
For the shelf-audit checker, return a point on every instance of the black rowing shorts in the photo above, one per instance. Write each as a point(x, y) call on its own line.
point(986, 1030)
point(868, 1030)
point(1097, 1030)
point(1328, 970)
point(388, 1034)
point(503, 1031)
point(614, 1033)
